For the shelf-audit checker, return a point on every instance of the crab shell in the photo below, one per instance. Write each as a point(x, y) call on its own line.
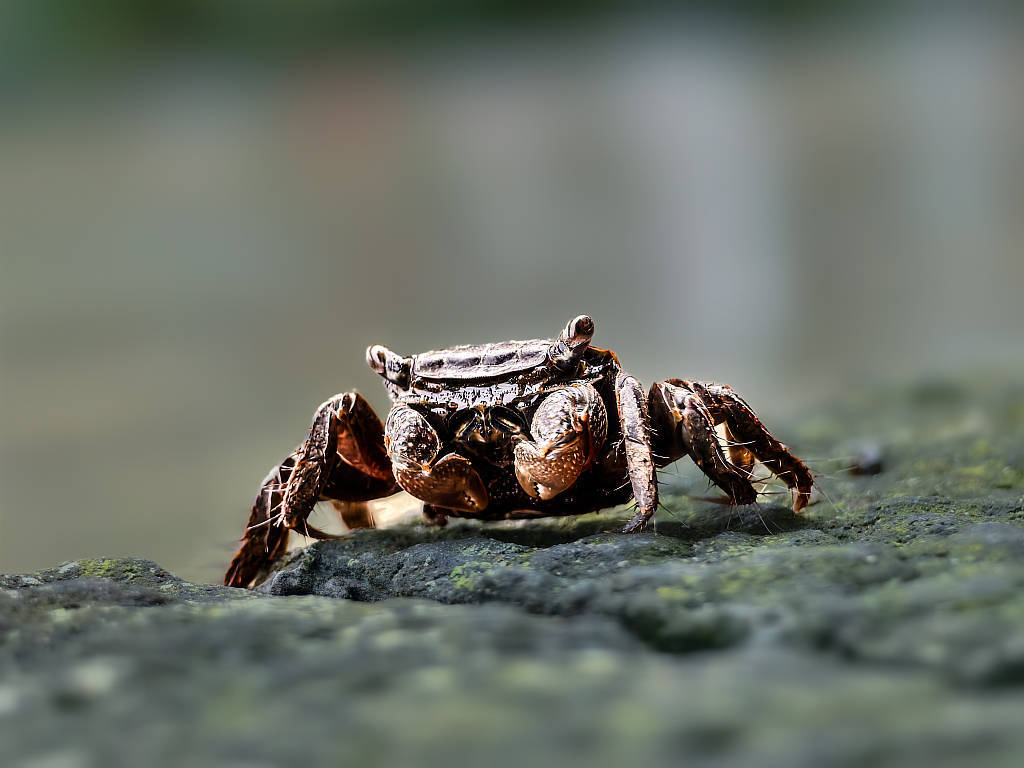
point(479, 408)
point(511, 373)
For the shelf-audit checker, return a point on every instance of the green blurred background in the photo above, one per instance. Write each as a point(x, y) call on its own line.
point(209, 209)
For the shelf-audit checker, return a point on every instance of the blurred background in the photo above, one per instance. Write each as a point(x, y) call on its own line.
point(209, 209)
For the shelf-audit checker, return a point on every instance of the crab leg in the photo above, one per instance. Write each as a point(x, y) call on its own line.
point(741, 421)
point(740, 456)
point(342, 459)
point(685, 426)
point(636, 436)
point(685, 414)
point(264, 539)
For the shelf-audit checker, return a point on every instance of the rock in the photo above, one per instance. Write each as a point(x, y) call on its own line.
point(884, 626)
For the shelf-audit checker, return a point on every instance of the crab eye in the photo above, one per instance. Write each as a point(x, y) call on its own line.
point(579, 330)
point(386, 363)
point(568, 349)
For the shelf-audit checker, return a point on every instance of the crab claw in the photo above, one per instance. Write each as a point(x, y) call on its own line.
point(570, 427)
point(414, 445)
point(451, 482)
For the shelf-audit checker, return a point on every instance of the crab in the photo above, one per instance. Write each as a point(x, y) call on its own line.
point(516, 429)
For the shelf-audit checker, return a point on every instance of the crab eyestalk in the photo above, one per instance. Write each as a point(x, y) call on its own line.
point(389, 365)
point(572, 342)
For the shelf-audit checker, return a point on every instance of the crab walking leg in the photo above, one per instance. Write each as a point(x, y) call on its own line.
point(684, 426)
point(414, 448)
point(342, 459)
point(636, 439)
point(725, 405)
point(263, 540)
point(435, 516)
point(355, 514)
point(569, 429)
point(740, 456)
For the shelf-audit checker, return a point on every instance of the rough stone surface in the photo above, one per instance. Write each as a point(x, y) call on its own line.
point(884, 626)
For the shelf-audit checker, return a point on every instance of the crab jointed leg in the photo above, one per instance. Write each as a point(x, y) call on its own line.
point(684, 426)
point(263, 540)
point(725, 405)
point(636, 436)
point(684, 415)
point(342, 459)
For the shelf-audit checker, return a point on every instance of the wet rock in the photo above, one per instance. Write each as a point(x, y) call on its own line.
point(884, 626)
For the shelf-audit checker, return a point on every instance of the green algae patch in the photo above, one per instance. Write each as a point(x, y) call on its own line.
point(668, 592)
point(120, 569)
point(466, 575)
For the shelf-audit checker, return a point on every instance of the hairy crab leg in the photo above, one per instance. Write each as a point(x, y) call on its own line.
point(569, 429)
point(740, 455)
point(636, 439)
point(263, 541)
point(342, 459)
point(684, 426)
point(726, 406)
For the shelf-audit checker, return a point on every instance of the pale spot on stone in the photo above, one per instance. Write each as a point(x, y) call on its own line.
point(68, 758)
point(69, 570)
point(94, 678)
point(9, 699)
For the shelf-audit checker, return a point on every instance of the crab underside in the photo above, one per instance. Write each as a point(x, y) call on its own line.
point(517, 429)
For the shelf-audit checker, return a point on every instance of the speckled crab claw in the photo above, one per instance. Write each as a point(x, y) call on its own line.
point(569, 430)
point(449, 481)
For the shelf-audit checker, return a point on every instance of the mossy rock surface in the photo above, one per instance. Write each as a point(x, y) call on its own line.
point(884, 626)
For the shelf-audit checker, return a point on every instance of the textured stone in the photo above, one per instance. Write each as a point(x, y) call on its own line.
point(884, 626)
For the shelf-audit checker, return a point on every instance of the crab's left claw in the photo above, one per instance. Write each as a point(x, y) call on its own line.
point(569, 428)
